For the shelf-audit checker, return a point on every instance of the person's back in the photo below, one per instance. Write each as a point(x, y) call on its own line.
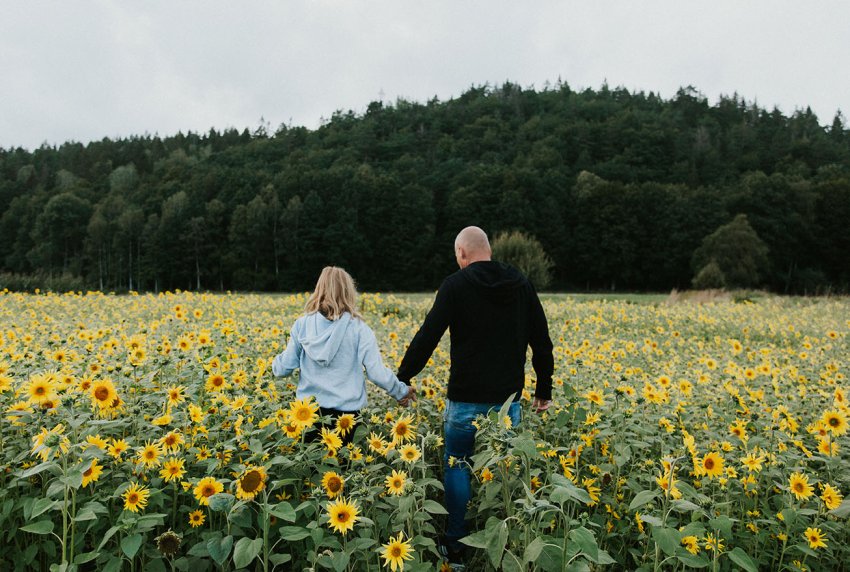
point(493, 314)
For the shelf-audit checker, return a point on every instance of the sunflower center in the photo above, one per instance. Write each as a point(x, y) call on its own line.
point(395, 551)
point(334, 485)
point(208, 491)
point(40, 390)
point(343, 516)
point(133, 498)
point(709, 464)
point(302, 414)
point(87, 472)
point(834, 421)
point(251, 481)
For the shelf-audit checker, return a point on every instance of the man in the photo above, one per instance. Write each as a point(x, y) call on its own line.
point(493, 314)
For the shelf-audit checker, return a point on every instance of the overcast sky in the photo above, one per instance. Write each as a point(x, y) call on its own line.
point(83, 70)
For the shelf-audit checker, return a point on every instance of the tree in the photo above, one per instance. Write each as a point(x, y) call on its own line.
point(525, 253)
point(738, 252)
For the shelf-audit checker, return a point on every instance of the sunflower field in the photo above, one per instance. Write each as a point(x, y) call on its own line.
point(146, 432)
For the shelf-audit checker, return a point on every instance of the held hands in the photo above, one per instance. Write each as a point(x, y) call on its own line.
point(541, 405)
point(409, 398)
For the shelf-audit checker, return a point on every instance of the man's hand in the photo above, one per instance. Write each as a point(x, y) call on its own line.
point(407, 399)
point(541, 405)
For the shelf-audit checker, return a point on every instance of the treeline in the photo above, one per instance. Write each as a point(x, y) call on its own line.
point(620, 188)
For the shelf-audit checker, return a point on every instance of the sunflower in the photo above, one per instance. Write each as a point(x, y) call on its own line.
point(207, 487)
point(342, 515)
point(175, 394)
point(691, 544)
point(331, 439)
point(753, 462)
point(835, 421)
point(171, 441)
point(395, 482)
point(711, 465)
point(149, 455)
point(41, 388)
point(403, 430)
point(172, 470)
point(410, 453)
point(831, 497)
point(345, 423)
point(396, 552)
point(816, 538)
point(92, 474)
point(135, 497)
point(799, 485)
point(376, 443)
point(252, 481)
point(302, 413)
point(103, 393)
point(215, 382)
point(197, 518)
point(117, 448)
point(596, 397)
point(333, 484)
point(291, 431)
point(96, 441)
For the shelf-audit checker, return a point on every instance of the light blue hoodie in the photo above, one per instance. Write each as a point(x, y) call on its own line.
point(332, 356)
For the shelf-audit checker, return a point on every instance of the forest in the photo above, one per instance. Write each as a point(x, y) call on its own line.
point(621, 188)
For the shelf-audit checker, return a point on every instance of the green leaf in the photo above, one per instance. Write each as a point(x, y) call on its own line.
point(476, 539)
point(434, 507)
point(742, 559)
point(842, 510)
point(85, 515)
point(278, 559)
point(533, 550)
point(668, 539)
point(653, 520)
point(586, 542)
point(722, 523)
point(37, 469)
point(510, 563)
point(219, 548)
point(40, 527)
point(41, 506)
point(109, 534)
point(284, 511)
point(680, 505)
point(130, 545)
point(294, 533)
point(642, 498)
point(497, 538)
point(245, 551)
point(221, 502)
point(114, 564)
point(86, 557)
point(340, 561)
point(692, 560)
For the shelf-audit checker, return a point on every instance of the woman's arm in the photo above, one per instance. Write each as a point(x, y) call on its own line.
point(376, 371)
point(290, 358)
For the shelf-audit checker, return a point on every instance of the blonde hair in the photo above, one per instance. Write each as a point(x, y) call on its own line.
point(334, 295)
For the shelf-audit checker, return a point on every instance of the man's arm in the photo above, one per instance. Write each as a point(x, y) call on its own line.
point(542, 358)
point(428, 336)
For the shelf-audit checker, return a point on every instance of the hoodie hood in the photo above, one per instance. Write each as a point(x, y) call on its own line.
point(498, 281)
point(322, 338)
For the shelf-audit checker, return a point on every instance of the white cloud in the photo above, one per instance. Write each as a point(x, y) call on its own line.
point(85, 70)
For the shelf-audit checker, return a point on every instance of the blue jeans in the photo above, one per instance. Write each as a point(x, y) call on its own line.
point(460, 444)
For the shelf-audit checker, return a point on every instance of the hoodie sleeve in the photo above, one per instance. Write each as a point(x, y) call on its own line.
point(290, 358)
point(428, 336)
point(542, 358)
point(376, 371)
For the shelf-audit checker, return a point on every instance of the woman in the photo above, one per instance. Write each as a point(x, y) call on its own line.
point(331, 344)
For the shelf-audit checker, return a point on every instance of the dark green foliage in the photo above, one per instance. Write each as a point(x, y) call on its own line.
point(620, 189)
point(525, 253)
point(709, 277)
point(738, 253)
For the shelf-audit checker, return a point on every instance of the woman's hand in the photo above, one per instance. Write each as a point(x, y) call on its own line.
point(407, 399)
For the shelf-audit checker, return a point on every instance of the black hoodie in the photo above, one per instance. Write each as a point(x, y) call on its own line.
point(493, 314)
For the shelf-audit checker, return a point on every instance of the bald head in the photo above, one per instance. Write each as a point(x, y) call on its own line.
point(471, 245)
